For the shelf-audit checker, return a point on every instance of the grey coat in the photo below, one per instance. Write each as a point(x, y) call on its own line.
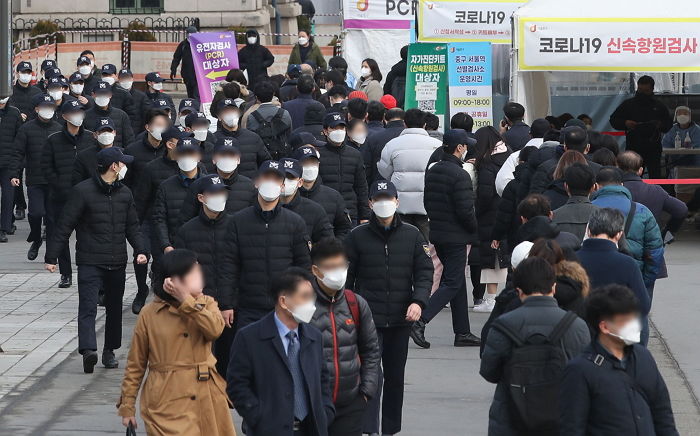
point(538, 314)
point(573, 216)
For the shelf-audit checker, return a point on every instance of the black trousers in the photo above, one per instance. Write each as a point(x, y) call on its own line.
point(453, 287)
point(20, 201)
point(53, 214)
point(38, 196)
point(91, 279)
point(192, 88)
point(141, 270)
point(348, 418)
point(393, 344)
point(222, 350)
point(7, 200)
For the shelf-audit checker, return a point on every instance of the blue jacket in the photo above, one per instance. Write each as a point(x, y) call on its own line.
point(260, 383)
point(297, 108)
point(644, 240)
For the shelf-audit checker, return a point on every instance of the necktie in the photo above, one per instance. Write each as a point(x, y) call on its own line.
point(300, 403)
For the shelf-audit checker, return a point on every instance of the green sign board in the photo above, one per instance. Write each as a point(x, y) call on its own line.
point(426, 79)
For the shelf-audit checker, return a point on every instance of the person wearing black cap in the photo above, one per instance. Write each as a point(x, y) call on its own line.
point(88, 70)
point(121, 99)
point(163, 104)
point(172, 192)
point(183, 54)
point(46, 64)
point(263, 240)
point(99, 209)
point(312, 188)
point(205, 234)
point(449, 201)
point(140, 101)
point(515, 132)
point(155, 91)
point(54, 88)
point(148, 146)
point(10, 122)
point(29, 144)
point(76, 86)
point(390, 267)
point(313, 122)
point(186, 107)
point(241, 194)
point(342, 168)
point(253, 151)
point(313, 214)
point(103, 108)
point(23, 92)
point(85, 161)
point(197, 124)
point(254, 58)
point(298, 140)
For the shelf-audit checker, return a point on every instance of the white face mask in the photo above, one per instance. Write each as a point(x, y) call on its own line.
point(181, 120)
point(157, 86)
point(122, 172)
point(109, 79)
point(305, 312)
point(310, 173)
point(336, 136)
point(106, 138)
point(126, 84)
point(216, 203)
point(227, 164)
point(187, 163)
point(365, 72)
point(464, 154)
point(252, 40)
point(4, 100)
point(84, 69)
point(56, 95)
point(290, 187)
point(269, 190)
point(335, 278)
point(200, 134)
point(630, 333)
point(359, 138)
point(384, 208)
point(46, 113)
point(102, 101)
point(157, 133)
point(76, 120)
point(25, 78)
point(230, 119)
point(683, 119)
point(77, 89)
point(303, 40)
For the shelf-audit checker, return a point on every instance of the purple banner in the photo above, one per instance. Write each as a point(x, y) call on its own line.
point(213, 54)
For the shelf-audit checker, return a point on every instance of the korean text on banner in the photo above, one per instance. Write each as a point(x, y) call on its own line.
point(466, 20)
point(609, 44)
point(378, 14)
point(214, 54)
point(469, 71)
point(426, 79)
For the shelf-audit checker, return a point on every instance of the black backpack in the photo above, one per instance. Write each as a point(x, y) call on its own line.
point(272, 133)
point(533, 375)
point(398, 90)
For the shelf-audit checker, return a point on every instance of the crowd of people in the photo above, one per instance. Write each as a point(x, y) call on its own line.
point(297, 246)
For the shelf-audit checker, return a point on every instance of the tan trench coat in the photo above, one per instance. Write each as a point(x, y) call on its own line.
point(174, 344)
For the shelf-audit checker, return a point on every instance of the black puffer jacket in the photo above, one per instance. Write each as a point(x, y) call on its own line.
point(85, 164)
point(166, 207)
point(104, 217)
point(10, 122)
point(351, 351)
point(143, 152)
point(556, 194)
point(507, 219)
point(206, 236)
point(343, 169)
point(542, 227)
point(486, 206)
point(91, 82)
point(390, 268)
point(29, 143)
point(141, 104)
point(334, 205)
point(253, 150)
point(255, 59)
point(449, 201)
point(122, 99)
point(58, 159)
point(259, 249)
point(125, 134)
point(154, 173)
point(23, 99)
point(242, 194)
point(317, 224)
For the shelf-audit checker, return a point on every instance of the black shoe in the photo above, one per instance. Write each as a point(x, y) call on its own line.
point(108, 359)
point(418, 334)
point(33, 250)
point(3, 236)
point(13, 229)
point(66, 281)
point(139, 302)
point(89, 361)
point(467, 340)
point(20, 214)
point(101, 298)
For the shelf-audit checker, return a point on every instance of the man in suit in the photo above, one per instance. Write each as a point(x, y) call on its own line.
point(277, 376)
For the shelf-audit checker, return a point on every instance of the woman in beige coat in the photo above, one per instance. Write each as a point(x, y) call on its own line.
point(183, 394)
point(370, 80)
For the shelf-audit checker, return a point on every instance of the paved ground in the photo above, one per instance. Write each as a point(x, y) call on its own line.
point(44, 392)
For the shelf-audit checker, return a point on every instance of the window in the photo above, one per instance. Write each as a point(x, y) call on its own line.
point(136, 6)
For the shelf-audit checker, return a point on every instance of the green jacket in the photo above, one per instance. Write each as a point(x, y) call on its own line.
point(314, 56)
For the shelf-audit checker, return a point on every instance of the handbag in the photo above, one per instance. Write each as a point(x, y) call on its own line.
point(130, 430)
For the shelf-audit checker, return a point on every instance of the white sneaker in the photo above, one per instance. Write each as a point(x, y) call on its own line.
point(485, 307)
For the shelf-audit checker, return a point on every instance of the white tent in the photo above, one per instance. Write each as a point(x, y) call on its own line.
point(615, 36)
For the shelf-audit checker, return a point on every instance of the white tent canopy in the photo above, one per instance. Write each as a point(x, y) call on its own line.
point(620, 36)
